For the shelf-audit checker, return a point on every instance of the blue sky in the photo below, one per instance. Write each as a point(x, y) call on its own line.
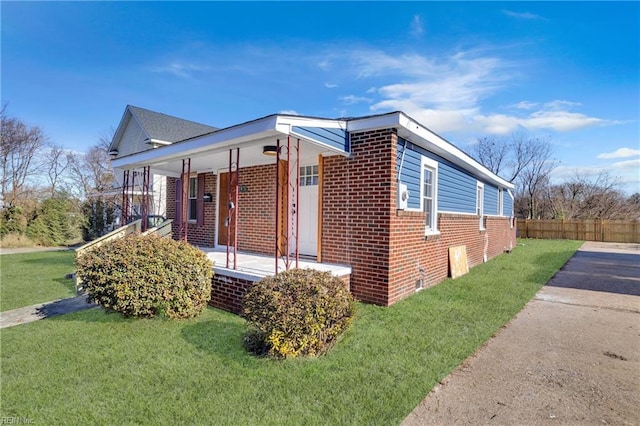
point(566, 71)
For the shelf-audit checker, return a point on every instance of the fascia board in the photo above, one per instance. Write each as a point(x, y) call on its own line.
point(287, 122)
point(372, 123)
point(221, 139)
point(120, 129)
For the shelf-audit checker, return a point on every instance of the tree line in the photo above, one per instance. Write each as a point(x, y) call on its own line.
point(46, 190)
point(528, 162)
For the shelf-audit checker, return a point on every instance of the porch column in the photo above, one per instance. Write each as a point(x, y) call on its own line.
point(290, 181)
point(124, 212)
point(232, 199)
point(131, 192)
point(144, 205)
point(183, 226)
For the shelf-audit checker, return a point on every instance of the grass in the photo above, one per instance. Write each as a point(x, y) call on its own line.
point(92, 367)
point(32, 278)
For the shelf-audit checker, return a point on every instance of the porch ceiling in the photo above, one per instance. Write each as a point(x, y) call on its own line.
point(250, 155)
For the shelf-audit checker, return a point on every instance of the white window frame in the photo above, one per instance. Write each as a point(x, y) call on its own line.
point(192, 200)
point(500, 202)
point(480, 203)
point(309, 175)
point(430, 228)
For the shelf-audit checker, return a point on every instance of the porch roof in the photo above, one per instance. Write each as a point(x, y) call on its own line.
point(210, 152)
point(318, 136)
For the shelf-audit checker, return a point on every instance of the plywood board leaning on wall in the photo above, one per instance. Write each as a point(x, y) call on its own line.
point(458, 265)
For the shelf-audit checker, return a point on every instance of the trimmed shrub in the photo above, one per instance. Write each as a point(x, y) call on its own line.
point(145, 276)
point(298, 312)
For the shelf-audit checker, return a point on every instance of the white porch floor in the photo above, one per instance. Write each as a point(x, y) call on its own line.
point(253, 267)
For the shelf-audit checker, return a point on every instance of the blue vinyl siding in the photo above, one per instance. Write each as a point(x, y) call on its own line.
point(490, 200)
point(456, 190)
point(507, 206)
point(336, 138)
point(456, 187)
point(410, 174)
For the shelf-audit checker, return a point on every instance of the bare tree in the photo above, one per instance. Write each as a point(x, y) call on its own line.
point(56, 164)
point(534, 177)
point(508, 156)
point(591, 196)
point(92, 170)
point(526, 161)
point(492, 152)
point(19, 146)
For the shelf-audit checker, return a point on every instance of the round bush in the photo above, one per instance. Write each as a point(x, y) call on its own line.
point(298, 312)
point(145, 276)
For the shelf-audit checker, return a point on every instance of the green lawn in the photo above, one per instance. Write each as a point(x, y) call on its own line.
point(92, 367)
point(30, 278)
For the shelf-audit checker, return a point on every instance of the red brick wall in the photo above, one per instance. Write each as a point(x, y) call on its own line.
point(414, 257)
point(357, 206)
point(227, 292)
point(385, 247)
point(197, 235)
point(256, 211)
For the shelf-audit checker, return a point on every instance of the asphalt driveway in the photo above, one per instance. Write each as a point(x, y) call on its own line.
point(571, 356)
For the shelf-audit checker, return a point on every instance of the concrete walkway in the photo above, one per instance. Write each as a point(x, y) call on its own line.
point(571, 356)
point(19, 250)
point(44, 310)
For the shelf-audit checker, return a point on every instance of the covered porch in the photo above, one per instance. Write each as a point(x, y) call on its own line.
point(289, 150)
point(253, 267)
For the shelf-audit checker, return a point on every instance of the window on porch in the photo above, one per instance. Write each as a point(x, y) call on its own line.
point(193, 199)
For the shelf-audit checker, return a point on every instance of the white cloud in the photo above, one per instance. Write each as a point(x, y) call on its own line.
point(561, 121)
point(447, 93)
point(620, 153)
point(417, 27)
point(522, 15)
point(457, 81)
point(352, 99)
point(183, 70)
point(525, 105)
point(629, 164)
point(330, 85)
point(560, 104)
point(288, 112)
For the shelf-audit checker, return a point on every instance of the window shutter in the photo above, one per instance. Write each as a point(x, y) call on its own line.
point(200, 200)
point(178, 214)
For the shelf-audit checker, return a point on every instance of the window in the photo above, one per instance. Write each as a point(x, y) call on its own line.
point(500, 203)
point(193, 198)
point(480, 203)
point(308, 175)
point(429, 194)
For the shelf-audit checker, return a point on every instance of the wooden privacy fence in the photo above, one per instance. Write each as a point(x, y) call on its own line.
point(587, 230)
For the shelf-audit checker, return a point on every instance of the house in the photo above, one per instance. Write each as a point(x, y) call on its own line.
point(377, 200)
point(140, 130)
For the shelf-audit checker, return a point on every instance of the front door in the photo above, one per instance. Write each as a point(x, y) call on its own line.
point(308, 215)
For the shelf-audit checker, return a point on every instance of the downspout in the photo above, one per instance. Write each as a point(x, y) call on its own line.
point(404, 150)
